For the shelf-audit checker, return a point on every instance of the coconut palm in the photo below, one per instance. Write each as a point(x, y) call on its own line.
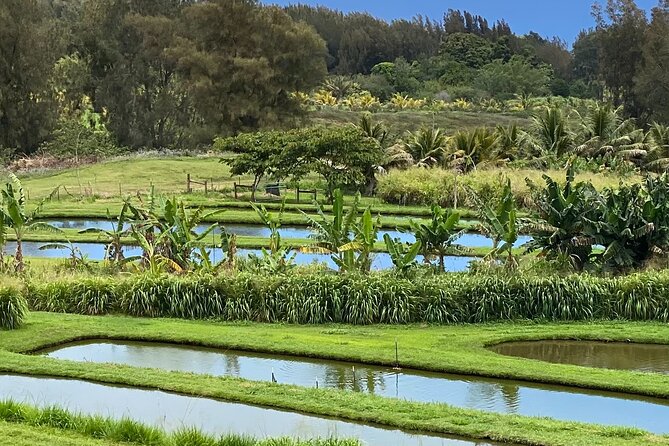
point(15, 216)
point(512, 142)
point(340, 86)
point(426, 146)
point(657, 158)
point(603, 131)
point(552, 136)
point(470, 148)
point(378, 131)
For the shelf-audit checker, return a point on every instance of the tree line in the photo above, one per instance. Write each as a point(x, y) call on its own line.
point(102, 74)
point(151, 74)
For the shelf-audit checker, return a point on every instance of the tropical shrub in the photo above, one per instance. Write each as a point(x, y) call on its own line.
point(13, 307)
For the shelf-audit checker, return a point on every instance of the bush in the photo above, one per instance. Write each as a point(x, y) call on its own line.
point(425, 187)
point(378, 298)
point(13, 307)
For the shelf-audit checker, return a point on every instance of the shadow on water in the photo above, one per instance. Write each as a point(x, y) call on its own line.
point(500, 396)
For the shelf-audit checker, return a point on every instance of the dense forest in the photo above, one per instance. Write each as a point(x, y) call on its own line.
point(178, 73)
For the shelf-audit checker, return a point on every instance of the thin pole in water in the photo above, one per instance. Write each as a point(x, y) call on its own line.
point(397, 356)
point(317, 383)
point(274, 377)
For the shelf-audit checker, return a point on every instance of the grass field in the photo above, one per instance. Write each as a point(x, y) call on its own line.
point(400, 122)
point(459, 349)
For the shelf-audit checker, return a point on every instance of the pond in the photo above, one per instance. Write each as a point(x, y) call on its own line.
point(468, 240)
point(96, 251)
point(493, 395)
point(606, 355)
point(171, 412)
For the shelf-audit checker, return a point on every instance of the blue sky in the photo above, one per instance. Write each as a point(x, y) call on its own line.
point(564, 18)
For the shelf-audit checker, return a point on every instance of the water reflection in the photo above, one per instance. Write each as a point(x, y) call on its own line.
point(287, 232)
point(172, 412)
point(501, 396)
point(96, 251)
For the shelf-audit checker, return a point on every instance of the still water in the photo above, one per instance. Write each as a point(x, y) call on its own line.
point(500, 396)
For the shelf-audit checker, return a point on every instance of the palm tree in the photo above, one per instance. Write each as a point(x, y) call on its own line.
point(14, 215)
point(657, 158)
point(340, 86)
point(470, 148)
point(378, 130)
point(551, 132)
point(512, 142)
point(604, 131)
point(426, 146)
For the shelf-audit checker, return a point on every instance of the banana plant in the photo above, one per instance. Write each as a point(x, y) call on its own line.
point(76, 257)
point(350, 242)
point(277, 258)
point(119, 230)
point(154, 262)
point(175, 228)
point(16, 217)
point(402, 256)
point(438, 237)
point(563, 210)
point(501, 224)
point(365, 234)
point(331, 233)
point(632, 224)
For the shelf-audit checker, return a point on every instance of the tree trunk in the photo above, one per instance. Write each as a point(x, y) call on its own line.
point(18, 259)
point(442, 263)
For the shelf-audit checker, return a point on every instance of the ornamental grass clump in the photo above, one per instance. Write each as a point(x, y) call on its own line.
point(13, 307)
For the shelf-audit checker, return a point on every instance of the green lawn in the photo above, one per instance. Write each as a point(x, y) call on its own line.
point(459, 349)
point(21, 435)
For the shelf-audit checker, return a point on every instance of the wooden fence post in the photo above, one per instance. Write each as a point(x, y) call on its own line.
point(188, 188)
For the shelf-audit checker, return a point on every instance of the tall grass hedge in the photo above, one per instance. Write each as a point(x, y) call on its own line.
point(13, 307)
point(377, 298)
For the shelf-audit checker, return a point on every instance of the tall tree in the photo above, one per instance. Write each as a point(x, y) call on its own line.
point(29, 47)
point(652, 81)
point(620, 28)
point(240, 62)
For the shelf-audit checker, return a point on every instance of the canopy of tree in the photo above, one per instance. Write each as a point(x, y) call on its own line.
point(80, 75)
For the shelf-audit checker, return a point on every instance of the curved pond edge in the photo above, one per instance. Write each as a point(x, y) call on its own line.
point(551, 381)
point(365, 425)
point(650, 366)
point(412, 383)
point(527, 431)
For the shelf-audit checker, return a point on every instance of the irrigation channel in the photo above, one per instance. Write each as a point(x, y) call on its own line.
point(381, 261)
point(468, 240)
point(171, 412)
point(606, 355)
point(492, 395)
